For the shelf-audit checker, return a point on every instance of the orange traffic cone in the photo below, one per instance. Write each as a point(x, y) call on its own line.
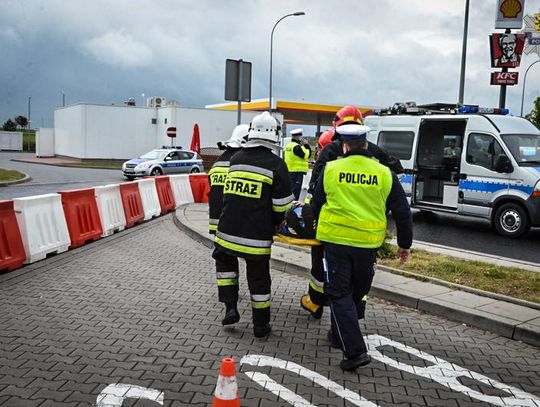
point(226, 394)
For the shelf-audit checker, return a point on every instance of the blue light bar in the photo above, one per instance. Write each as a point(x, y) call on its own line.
point(486, 110)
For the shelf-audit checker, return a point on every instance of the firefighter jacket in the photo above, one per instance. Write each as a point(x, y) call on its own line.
point(297, 156)
point(216, 177)
point(257, 193)
point(351, 201)
point(335, 149)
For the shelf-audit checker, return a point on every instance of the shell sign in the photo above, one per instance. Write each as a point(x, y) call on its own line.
point(509, 14)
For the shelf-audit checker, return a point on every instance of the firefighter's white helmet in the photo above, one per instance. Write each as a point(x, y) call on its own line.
point(265, 127)
point(238, 136)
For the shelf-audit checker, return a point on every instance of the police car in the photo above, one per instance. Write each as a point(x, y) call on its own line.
point(163, 161)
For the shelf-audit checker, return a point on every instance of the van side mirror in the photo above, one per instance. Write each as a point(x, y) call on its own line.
point(503, 164)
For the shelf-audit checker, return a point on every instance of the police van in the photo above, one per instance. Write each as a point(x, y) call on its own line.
point(467, 161)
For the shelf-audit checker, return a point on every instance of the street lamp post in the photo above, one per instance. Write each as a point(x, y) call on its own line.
point(463, 54)
point(298, 13)
point(63, 99)
point(523, 91)
point(29, 99)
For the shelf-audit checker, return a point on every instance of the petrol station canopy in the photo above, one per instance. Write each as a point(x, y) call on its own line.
point(294, 112)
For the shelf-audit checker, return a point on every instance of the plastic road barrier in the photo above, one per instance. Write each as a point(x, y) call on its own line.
point(200, 187)
point(42, 224)
point(82, 216)
point(12, 254)
point(111, 212)
point(165, 195)
point(132, 203)
point(149, 197)
point(181, 188)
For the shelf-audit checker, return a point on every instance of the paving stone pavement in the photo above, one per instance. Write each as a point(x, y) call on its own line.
point(140, 308)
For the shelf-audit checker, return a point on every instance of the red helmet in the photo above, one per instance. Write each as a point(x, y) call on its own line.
point(348, 114)
point(326, 138)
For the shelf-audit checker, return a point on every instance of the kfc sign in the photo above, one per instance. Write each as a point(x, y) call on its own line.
point(506, 50)
point(504, 78)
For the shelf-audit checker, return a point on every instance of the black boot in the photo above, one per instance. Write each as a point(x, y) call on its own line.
point(260, 331)
point(351, 364)
point(231, 314)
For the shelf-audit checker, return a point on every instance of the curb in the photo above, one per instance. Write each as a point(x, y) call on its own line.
point(19, 181)
point(523, 331)
point(67, 166)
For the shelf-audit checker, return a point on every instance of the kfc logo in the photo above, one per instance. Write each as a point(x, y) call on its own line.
point(504, 78)
point(506, 50)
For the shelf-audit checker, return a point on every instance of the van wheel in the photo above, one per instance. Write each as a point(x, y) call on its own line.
point(511, 220)
point(156, 171)
point(195, 170)
point(130, 178)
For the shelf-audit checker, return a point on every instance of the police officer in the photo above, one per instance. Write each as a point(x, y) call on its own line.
point(351, 201)
point(218, 173)
point(314, 301)
point(257, 193)
point(297, 154)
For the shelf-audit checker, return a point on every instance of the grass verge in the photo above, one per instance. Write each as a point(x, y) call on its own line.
point(513, 282)
point(10, 175)
point(96, 164)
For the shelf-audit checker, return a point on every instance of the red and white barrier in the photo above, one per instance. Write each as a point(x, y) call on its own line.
point(165, 195)
point(200, 187)
point(82, 216)
point(132, 203)
point(181, 188)
point(42, 224)
point(111, 211)
point(12, 254)
point(33, 227)
point(149, 197)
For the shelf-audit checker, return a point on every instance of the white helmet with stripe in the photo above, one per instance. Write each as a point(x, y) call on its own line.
point(238, 136)
point(265, 127)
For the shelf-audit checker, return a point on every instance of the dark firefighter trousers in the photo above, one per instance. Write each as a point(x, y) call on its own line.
point(259, 283)
point(349, 275)
point(316, 283)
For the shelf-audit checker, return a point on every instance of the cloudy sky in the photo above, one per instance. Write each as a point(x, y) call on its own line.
point(366, 52)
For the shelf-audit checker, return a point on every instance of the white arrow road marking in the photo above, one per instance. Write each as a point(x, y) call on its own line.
point(280, 391)
point(114, 395)
point(261, 360)
point(447, 374)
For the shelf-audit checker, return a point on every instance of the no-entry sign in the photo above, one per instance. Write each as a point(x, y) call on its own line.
point(171, 132)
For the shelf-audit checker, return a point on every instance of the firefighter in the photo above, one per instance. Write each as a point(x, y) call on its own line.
point(257, 193)
point(314, 301)
point(297, 154)
point(351, 201)
point(218, 173)
point(324, 139)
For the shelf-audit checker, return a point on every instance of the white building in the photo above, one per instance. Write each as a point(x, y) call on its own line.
point(92, 131)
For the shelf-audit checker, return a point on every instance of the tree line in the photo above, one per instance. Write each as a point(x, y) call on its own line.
point(10, 125)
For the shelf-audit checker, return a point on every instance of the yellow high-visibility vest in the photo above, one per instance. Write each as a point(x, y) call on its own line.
point(295, 163)
point(355, 210)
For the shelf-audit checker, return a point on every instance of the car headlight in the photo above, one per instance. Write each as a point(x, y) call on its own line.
point(536, 190)
point(143, 166)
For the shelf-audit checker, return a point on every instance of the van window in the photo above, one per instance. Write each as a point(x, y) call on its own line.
point(483, 150)
point(397, 143)
point(524, 147)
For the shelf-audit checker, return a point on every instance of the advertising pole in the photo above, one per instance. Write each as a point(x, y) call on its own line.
point(502, 94)
point(464, 54)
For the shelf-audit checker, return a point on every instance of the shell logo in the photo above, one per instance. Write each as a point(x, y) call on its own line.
point(511, 8)
point(537, 21)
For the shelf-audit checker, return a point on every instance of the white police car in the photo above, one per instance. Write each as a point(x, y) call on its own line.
point(163, 161)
